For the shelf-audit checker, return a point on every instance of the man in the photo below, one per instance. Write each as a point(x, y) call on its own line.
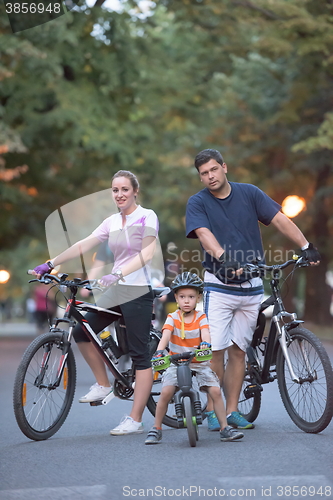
point(224, 217)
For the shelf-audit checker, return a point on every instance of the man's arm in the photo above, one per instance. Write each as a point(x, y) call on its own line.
point(209, 242)
point(291, 231)
point(212, 246)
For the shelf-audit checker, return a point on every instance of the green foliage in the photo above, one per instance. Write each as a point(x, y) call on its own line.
point(95, 91)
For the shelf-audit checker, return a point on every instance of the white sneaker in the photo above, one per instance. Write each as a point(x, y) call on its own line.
point(97, 393)
point(127, 426)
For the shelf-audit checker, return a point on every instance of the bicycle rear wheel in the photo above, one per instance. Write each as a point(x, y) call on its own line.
point(40, 408)
point(249, 407)
point(310, 402)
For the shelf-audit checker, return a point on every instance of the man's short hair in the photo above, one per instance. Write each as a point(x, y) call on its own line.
point(206, 155)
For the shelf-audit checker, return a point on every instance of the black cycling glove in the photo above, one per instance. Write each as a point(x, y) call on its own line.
point(311, 254)
point(227, 267)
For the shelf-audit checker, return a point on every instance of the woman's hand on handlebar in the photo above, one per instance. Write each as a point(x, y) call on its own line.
point(41, 269)
point(111, 279)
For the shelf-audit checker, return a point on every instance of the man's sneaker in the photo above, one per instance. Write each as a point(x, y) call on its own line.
point(230, 434)
point(97, 393)
point(213, 423)
point(154, 436)
point(127, 426)
point(237, 421)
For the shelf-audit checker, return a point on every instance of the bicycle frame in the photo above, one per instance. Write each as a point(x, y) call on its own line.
point(184, 377)
point(72, 310)
point(277, 333)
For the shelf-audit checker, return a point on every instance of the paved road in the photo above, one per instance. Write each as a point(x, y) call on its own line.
point(82, 461)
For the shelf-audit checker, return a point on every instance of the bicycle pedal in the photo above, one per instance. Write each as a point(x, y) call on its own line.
point(95, 403)
point(251, 390)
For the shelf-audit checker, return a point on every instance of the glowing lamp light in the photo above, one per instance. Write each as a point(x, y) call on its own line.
point(4, 276)
point(293, 205)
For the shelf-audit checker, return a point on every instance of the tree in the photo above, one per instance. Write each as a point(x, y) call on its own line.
point(95, 91)
point(273, 108)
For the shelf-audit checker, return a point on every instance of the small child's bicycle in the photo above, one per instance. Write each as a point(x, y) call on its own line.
point(188, 405)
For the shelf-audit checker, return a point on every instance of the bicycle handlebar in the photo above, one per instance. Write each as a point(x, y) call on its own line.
point(298, 261)
point(61, 280)
point(189, 355)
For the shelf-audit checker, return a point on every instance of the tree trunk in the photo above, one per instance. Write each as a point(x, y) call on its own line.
point(318, 293)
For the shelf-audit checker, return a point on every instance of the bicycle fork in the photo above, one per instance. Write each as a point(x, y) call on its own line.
point(184, 377)
point(281, 331)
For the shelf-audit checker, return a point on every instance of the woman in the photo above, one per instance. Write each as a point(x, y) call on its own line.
point(131, 236)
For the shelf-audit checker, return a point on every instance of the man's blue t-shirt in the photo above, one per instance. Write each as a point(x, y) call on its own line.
point(232, 220)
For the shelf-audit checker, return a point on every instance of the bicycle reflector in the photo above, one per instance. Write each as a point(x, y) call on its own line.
point(161, 363)
point(24, 394)
point(203, 354)
point(65, 380)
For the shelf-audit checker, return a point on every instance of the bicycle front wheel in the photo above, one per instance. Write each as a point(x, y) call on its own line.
point(40, 406)
point(192, 430)
point(308, 402)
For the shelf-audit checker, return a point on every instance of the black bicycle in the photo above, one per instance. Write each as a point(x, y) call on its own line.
point(189, 402)
point(46, 377)
point(291, 354)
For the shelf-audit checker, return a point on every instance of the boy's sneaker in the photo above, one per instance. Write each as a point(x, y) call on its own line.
point(230, 434)
point(97, 393)
point(154, 436)
point(237, 421)
point(213, 423)
point(127, 426)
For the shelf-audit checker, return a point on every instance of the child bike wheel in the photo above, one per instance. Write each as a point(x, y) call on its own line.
point(192, 429)
point(41, 408)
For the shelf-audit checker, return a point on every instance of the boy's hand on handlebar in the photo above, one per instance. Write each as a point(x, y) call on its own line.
point(311, 254)
point(205, 345)
point(158, 354)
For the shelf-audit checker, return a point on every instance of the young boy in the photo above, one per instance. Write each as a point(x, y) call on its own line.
point(184, 330)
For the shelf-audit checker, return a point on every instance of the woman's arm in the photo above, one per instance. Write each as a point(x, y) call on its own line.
point(76, 250)
point(140, 260)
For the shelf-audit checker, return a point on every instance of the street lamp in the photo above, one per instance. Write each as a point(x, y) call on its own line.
point(4, 276)
point(293, 205)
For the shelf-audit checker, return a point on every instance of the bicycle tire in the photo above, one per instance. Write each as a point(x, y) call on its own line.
point(250, 407)
point(310, 404)
point(190, 425)
point(40, 412)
